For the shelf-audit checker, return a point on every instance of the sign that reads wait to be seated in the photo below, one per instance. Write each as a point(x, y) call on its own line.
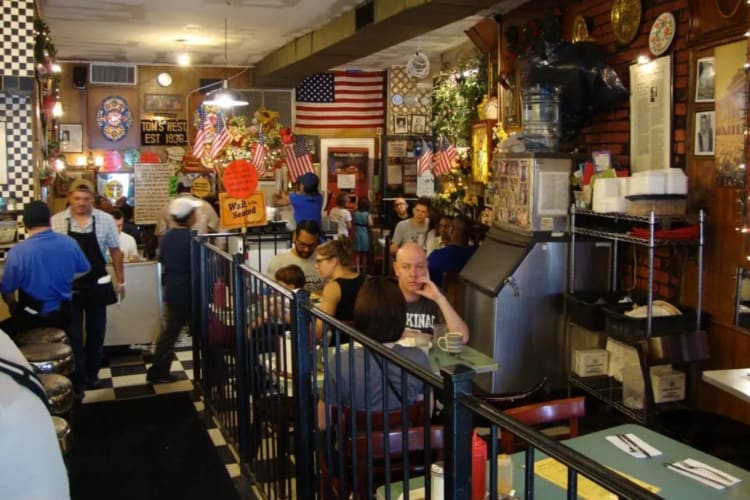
point(163, 132)
point(250, 211)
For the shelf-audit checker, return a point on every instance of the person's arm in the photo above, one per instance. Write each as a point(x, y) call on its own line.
point(330, 298)
point(453, 321)
point(10, 299)
point(396, 241)
point(280, 199)
point(115, 255)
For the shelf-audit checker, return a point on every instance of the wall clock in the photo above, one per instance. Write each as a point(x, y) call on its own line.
point(164, 79)
point(626, 19)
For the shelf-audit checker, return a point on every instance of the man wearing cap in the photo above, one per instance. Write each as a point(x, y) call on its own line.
point(206, 220)
point(96, 234)
point(174, 255)
point(41, 269)
point(308, 204)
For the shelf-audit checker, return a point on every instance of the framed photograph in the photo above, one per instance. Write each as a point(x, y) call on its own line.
point(162, 102)
point(65, 177)
point(400, 124)
point(346, 165)
point(510, 104)
point(71, 138)
point(705, 80)
point(418, 124)
point(313, 146)
point(704, 133)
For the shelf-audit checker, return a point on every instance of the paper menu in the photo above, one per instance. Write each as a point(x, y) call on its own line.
point(557, 474)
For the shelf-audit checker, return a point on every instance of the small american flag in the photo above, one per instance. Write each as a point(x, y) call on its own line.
point(340, 99)
point(445, 157)
point(221, 139)
point(424, 162)
point(298, 159)
point(200, 135)
point(259, 157)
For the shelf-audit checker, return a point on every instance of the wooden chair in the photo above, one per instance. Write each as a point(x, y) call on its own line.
point(544, 413)
point(454, 291)
point(506, 400)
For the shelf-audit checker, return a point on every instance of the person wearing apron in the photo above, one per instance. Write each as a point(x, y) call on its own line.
point(95, 232)
point(38, 275)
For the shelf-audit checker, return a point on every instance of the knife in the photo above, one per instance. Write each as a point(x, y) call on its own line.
point(625, 439)
point(695, 474)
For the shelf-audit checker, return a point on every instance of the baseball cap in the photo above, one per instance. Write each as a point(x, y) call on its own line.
point(81, 185)
point(308, 180)
point(181, 207)
point(36, 214)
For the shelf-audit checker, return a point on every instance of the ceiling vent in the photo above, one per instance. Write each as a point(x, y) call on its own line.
point(113, 74)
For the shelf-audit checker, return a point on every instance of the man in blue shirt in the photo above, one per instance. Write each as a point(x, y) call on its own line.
point(40, 269)
point(454, 256)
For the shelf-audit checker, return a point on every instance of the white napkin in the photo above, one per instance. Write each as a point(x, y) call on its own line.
point(415, 494)
point(633, 450)
point(713, 476)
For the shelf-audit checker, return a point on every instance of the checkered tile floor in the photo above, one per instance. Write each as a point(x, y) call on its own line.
point(125, 377)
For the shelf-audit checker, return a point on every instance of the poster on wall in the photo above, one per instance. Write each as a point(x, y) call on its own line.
point(651, 114)
point(151, 190)
point(730, 77)
point(111, 113)
point(344, 161)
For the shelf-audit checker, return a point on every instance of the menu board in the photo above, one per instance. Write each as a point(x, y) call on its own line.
point(511, 203)
point(151, 190)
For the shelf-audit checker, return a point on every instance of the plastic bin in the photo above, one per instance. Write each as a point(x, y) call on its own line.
point(585, 308)
point(618, 324)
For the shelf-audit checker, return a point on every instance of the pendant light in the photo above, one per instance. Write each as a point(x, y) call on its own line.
point(225, 97)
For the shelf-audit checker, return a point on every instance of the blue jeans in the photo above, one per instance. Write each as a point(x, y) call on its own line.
point(88, 354)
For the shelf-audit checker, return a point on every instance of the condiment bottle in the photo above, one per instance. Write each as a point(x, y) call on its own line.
point(437, 481)
point(504, 475)
point(478, 467)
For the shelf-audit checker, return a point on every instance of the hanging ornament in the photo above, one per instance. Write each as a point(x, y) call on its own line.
point(418, 66)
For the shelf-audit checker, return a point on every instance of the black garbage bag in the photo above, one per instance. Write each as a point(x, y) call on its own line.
point(587, 85)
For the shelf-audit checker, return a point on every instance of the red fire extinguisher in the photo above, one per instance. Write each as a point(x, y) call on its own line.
point(478, 467)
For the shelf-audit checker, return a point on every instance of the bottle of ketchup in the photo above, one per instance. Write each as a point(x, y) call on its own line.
point(478, 467)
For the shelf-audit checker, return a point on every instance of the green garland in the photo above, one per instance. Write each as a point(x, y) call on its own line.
point(455, 95)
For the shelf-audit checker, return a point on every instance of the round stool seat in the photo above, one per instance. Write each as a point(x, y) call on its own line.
point(49, 358)
point(60, 391)
point(41, 336)
point(62, 429)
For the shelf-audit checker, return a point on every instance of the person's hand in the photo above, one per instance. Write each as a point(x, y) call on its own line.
point(120, 291)
point(429, 289)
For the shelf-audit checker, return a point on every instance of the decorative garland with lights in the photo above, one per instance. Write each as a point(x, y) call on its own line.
point(743, 196)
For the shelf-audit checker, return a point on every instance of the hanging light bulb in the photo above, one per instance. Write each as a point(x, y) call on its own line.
point(224, 97)
point(57, 109)
point(183, 59)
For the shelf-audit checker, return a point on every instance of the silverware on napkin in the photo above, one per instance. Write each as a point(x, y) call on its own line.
point(632, 445)
point(692, 471)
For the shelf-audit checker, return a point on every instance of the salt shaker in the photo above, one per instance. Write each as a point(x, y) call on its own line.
point(436, 478)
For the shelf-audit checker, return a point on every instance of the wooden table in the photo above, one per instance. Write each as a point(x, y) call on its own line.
point(651, 470)
point(736, 381)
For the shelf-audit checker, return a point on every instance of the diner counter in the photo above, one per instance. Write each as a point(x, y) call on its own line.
point(137, 319)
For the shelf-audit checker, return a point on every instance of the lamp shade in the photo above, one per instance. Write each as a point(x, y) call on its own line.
point(225, 98)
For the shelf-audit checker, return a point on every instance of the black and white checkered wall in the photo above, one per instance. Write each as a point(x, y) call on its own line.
point(17, 35)
point(15, 115)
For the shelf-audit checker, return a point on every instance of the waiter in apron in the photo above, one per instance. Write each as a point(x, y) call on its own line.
point(96, 234)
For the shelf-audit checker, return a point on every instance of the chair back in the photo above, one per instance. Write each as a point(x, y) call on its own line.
point(544, 413)
point(414, 414)
point(454, 290)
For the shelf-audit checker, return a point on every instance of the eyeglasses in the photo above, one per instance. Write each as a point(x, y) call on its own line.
point(322, 259)
point(302, 244)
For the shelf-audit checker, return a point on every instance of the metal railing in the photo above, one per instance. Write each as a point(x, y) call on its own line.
point(262, 369)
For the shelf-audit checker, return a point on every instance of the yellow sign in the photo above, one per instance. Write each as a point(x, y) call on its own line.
point(201, 187)
point(250, 211)
point(113, 190)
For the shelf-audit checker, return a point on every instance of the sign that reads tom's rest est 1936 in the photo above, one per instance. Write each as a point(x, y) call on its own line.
point(163, 132)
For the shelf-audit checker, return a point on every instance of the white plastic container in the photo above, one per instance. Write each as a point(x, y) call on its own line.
point(676, 181)
point(648, 182)
point(608, 196)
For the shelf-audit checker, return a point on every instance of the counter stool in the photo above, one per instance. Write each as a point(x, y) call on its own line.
point(49, 358)
point(59, 388)
point(62, 429)
point(41, 336)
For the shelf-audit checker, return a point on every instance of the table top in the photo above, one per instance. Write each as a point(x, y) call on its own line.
point(478, 361)
point(649, 470)
point(735, 381)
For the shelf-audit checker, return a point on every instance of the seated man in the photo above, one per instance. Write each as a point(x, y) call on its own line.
point(306, 238)
point(454, 256)
point(425, 303)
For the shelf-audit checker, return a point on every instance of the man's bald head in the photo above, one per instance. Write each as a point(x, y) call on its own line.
point(410, 268)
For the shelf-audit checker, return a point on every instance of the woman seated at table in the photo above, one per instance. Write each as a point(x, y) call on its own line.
point(334, 260)
point(380, 313)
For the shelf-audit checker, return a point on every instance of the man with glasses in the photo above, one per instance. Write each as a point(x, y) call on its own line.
point(306, 238)
point(400, 212)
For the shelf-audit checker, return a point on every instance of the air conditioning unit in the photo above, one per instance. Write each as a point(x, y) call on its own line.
point(113, 74)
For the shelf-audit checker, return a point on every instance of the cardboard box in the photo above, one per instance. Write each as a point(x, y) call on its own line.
point(590, 362)
point(668, 386)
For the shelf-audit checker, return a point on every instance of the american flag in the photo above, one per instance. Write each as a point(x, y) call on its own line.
point(445, 157)
point(259, 157)
point(221, 139)
point(424, 162)
point(298, 159)
point(200, 135)
point(340, 99)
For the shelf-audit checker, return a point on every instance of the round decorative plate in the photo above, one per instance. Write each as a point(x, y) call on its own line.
point(397, 99)
point(662, 33)
point(580, 30)
point(411, 100)
point(114, 118)
point(626, 18)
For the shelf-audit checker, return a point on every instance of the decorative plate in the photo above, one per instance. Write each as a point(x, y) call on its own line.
point(411, 100)
point(626, 18)
point(114, 118)
point(662, 33)
point(425, 100)
point(580, 30)
point(397, 99)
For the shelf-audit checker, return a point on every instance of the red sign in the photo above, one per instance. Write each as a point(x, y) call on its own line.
point(240, 179)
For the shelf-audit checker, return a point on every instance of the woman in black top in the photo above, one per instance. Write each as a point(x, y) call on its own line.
point(334, 261)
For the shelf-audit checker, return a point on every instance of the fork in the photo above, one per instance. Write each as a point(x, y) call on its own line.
point(632, 446)
point(680, 467)
point(699, 467)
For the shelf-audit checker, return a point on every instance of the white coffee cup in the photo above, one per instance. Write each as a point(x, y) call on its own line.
point(452, 342)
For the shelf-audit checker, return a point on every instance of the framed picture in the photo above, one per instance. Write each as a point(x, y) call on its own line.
point(651, 114)
point(400, 124)
point(510, 103)
point(65, 177)
point(418, 124)
point(346, 165)
point(313, 146)
point(704, 81)
point(704, 133)
point(481, 145)
point(162, 102)
point(71, 138)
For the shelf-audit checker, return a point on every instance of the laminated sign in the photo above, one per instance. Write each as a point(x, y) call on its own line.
point(240, 179)
point(235, 212)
